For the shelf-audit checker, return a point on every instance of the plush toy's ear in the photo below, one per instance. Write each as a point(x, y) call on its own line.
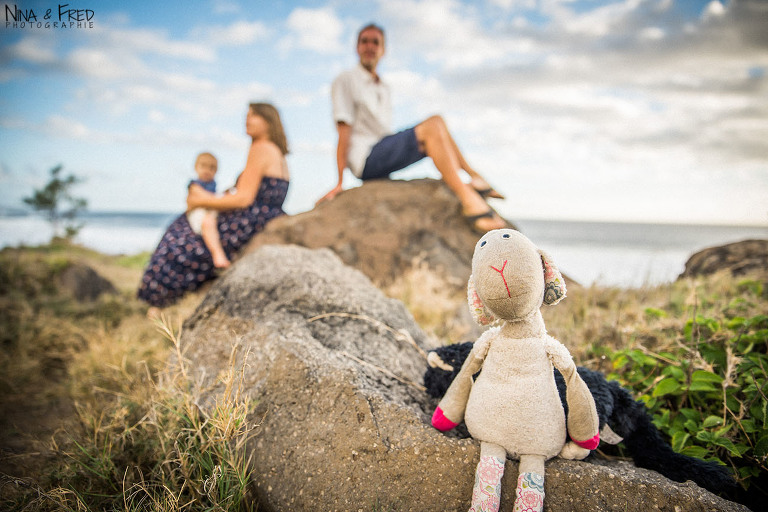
point(480, 313)
point(554, 284)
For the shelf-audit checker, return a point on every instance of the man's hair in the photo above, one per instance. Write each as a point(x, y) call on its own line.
point(369, 27)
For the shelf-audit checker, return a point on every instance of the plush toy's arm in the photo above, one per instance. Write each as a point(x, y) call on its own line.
point(582, 415)
point(559, 355)
point(450, 410)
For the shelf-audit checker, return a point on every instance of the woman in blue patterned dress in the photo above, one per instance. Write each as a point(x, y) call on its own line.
point(181, 261)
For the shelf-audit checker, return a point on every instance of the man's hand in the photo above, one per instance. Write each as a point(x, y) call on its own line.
point(330, 195)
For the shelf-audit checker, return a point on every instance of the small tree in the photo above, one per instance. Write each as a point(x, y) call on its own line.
point(57, 202)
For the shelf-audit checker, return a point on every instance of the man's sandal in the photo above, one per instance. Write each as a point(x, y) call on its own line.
point(472, 220)
point(485, 193)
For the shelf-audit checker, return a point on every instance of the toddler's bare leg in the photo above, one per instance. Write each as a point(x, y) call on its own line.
point(210, 234)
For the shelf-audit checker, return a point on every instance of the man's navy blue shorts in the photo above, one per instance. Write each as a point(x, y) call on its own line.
point(392, 153)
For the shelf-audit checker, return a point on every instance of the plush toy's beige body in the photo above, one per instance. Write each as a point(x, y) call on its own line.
point(508, 402)
point(513, 408)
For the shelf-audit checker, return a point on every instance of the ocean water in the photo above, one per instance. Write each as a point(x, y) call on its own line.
point(107, 232)
point(628, 254)
point(602, 253)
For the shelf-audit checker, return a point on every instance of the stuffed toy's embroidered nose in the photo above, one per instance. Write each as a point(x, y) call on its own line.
point(501, 272)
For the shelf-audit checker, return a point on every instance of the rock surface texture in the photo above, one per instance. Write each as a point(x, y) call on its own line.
point(739, 258)
point(336, 369)
point(384, 227)
point(84, 283)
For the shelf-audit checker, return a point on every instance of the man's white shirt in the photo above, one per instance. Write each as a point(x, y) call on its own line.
point(365, 104)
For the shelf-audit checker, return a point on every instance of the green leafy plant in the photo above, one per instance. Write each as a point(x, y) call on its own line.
point(708, 391)
point(57, 201)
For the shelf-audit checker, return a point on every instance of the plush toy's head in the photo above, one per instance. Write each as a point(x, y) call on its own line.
point(511, 278)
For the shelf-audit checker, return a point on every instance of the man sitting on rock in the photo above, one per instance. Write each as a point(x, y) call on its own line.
point(362, 110)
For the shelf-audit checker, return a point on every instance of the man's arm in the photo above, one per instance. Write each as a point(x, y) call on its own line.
point(345, 132)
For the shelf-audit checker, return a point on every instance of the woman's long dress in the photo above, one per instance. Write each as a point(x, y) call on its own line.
point(182, 262)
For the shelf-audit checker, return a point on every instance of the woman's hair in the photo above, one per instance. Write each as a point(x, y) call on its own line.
point(272, 117)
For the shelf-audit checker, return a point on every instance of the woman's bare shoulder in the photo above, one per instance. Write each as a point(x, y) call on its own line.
point(267, 159)
point(266, 148)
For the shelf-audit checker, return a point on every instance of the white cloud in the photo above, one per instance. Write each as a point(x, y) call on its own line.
point(239, 33)
point(641, 100)
point(121, 74)
point(185, 84)
point(156, 116)
point(444, 32)
point(8, 75)
point(35, 50)
point(109, 64)
point(714, 9)
point(156, 42)
point(225, 7)
point(193, 98)
point(652, 33)
point(622, 105)
point(419, 95)
point(112, 53)
point(319, 30)
point(59, 126)
point(514, 4)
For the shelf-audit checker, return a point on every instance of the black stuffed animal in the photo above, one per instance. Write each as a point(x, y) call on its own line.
point(626, 420)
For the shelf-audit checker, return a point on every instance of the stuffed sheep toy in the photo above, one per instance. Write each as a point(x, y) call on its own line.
point(621, 419)
point(513, 407)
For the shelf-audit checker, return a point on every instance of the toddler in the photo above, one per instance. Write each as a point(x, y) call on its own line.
point(204, 221)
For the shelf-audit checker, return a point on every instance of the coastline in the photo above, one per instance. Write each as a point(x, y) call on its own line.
point(627, 255)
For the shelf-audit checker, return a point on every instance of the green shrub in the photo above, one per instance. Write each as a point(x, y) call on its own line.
point(708, 391)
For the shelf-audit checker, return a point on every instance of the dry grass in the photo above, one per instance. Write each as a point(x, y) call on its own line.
point(92, 416)
point(590, 321)
point(437, 303)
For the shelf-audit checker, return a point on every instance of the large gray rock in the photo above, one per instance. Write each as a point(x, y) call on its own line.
point(383, 227)
point(83, 283)
point(739, 258)
point(336, 368)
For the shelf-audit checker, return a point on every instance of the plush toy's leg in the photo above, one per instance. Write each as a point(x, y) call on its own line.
point(572, 451)
point(486, 496)
point(582, 415)
point(529, 495)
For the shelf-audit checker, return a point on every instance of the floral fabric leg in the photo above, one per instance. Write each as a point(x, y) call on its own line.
point(486, 495)
point(530, 493)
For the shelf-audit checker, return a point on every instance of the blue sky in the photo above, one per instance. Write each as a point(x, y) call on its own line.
point(629, 110)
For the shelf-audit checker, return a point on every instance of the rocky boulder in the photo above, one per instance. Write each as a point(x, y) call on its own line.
point(383, 228)
point(336, 368)
point(83, 283)
point(739, 258)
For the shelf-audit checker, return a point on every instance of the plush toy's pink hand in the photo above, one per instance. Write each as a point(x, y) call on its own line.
point(440, 422)
point(589, 444)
